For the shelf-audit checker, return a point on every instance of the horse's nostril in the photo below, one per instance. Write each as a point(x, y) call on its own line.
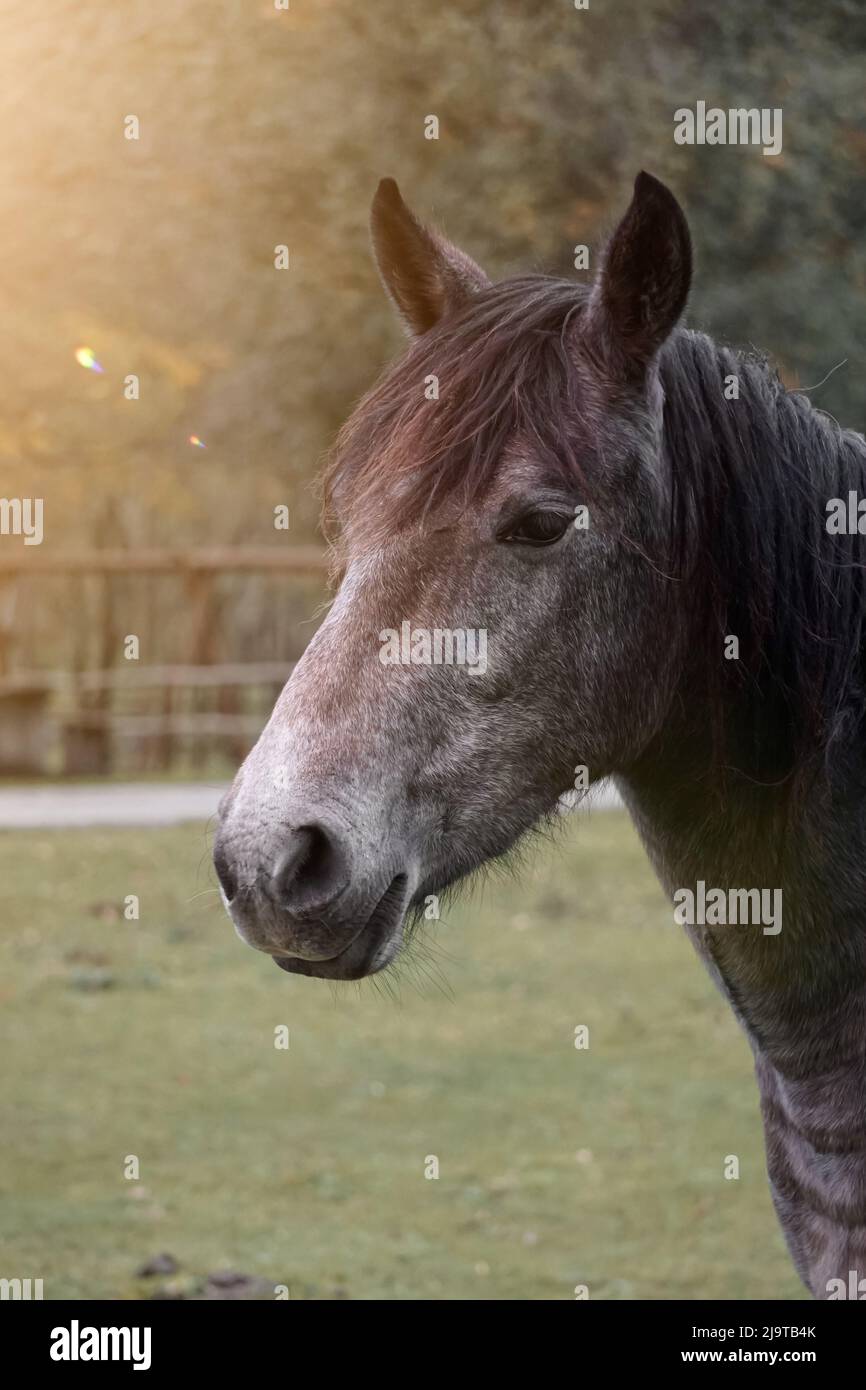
point(290, 863)
point(310, 869)
point(224, 873)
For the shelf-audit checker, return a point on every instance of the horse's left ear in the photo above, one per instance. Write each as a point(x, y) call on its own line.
point(423, 273)
point(644, 280)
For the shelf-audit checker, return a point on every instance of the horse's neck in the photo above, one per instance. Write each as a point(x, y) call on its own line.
point(800, 994)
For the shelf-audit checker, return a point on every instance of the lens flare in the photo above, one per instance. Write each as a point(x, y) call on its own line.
point(86, 357)
point(196, 442)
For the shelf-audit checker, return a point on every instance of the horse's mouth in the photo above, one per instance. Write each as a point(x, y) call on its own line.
point(370, 950)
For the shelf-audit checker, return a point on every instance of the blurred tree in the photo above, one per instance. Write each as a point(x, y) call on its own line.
point(261, 127)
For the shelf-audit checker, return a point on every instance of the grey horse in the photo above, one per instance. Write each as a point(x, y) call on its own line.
point(657, 549)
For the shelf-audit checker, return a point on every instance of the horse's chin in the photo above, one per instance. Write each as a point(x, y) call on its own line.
point(370, 951)
point(351, 964)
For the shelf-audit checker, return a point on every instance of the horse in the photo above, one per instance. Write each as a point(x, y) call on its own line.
point(645, 525)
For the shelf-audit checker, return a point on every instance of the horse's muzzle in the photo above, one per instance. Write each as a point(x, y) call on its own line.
point(374, 947)
point(316, 905)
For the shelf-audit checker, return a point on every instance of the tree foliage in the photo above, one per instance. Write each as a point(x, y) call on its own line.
point(261, 126)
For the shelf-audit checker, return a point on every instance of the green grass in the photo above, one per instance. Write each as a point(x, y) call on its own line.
point(305, 1167)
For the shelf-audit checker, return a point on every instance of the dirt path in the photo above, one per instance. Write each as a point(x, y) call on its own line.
point(136, 803)
point(128, 803)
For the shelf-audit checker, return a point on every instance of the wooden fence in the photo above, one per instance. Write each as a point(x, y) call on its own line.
point(87, 721)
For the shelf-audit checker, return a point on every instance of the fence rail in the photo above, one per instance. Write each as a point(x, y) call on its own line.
point(84, 719)
point(297, 559)
point(238, 673)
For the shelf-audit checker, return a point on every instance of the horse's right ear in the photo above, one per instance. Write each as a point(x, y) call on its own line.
point(423, 273)
point(643, 283)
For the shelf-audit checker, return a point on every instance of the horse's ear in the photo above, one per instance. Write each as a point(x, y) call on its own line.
point(423, 273)
point(643, 283)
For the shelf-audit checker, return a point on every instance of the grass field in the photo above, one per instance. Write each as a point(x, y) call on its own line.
point(306, 1167)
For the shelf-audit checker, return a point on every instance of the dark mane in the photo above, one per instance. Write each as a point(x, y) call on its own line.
point(747, 546)
point(504, 369)
point(751, 478)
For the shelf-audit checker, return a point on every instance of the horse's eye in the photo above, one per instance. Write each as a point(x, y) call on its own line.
point(539, 528)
